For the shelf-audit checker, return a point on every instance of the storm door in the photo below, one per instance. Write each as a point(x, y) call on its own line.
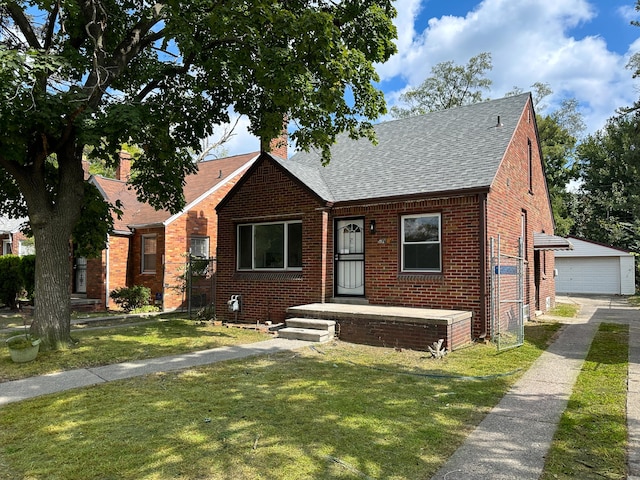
point(349, 257)
point(81, 275)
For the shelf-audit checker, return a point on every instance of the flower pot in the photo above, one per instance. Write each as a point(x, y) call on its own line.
point(26, 351)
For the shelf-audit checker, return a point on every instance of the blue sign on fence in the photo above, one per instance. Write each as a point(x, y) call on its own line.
point(506, 270)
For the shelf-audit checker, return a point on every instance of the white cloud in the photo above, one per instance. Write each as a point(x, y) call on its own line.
point(241, 141)
point(530, 41)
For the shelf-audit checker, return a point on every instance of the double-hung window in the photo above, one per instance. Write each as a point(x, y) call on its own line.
point(148, 251)
point(421, 243)
point(270, 246)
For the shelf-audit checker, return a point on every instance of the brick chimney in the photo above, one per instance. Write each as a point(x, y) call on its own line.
point(124, 166)
point(85, 169)
point(277, 146)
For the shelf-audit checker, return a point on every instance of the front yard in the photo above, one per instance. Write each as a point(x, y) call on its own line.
point(332, 411)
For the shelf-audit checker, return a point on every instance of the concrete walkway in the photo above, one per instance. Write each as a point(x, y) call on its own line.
point(58, 382)
point(510, 443)
point(513, 439)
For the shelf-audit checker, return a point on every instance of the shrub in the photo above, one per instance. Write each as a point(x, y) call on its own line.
point(10, 280)
point(131, 298)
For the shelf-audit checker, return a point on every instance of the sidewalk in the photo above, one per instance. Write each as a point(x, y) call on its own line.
point(513, 439)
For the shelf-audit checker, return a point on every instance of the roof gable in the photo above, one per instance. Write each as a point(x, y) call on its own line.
point(455, 149)
point(305, 175)
point(210, 175)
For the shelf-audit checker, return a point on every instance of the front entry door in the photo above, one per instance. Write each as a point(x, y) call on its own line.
point(81, 275)
point(349, 257)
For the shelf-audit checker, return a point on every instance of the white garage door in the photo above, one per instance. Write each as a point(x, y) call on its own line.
point(588, 275)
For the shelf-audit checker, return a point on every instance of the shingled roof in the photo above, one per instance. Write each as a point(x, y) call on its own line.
point(456, 149)
point(211, 174)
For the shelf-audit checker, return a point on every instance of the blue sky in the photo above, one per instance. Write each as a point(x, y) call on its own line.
point(579, 47)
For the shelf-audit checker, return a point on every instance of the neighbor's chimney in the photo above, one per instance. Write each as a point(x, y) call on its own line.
point(124, 166)
point(85, 169)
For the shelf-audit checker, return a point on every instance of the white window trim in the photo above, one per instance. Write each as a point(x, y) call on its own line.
point(6, 246)
point(438, 242)
point(142, 254)
point(253, 268)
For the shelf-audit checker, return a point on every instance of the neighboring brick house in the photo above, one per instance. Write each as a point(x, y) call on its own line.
point(407, 222)
point(149, 247)
point(14, 242)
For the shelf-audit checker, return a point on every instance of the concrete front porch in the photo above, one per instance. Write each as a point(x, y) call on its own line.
point(391, 326)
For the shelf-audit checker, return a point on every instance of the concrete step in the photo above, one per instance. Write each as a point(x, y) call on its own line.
point(312, 323)
point(308, 334)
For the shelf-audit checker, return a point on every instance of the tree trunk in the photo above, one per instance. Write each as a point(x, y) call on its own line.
point(53, 214)
point(52, 299)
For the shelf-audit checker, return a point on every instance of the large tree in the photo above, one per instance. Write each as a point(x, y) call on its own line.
point(449, 86)
point(609, 200)
point(99, 73)
point(559, 132)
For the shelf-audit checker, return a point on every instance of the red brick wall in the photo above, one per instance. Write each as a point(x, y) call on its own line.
point(510, 196)
point(266, 296)
point(269, 195)
point(135, 276)
point(457, 287)
point(118, 270)
point(202, 221)
point(416, 336)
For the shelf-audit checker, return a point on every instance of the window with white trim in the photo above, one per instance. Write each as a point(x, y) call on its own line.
point(6, 247)
point(270, 246)
point(26, 247)
point(149, 249)
point(199, 247)
point(421, 243)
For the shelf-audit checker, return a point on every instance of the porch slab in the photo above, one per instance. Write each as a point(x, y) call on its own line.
point(391, 326)
point(381, 313)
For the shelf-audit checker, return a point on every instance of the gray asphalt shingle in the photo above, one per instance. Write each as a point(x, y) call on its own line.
point(453, 149)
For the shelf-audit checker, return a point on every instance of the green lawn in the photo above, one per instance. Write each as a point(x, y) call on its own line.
point(335, 411)
point(591, 439)
point(119, 344)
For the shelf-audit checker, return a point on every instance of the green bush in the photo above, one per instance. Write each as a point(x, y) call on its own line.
point(10, 280)
point(28, 273)
point(131, 298)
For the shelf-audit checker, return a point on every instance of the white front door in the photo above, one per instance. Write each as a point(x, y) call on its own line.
point(349, 257)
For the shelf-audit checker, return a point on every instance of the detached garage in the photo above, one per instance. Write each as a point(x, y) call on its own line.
point(595, 269)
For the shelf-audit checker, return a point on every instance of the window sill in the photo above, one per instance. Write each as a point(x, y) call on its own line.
point(268, 276)
point(421, 277)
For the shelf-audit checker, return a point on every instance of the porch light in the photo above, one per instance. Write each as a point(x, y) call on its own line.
point(372, 227)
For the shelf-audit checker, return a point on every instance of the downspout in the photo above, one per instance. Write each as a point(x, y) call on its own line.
point(106, 277)
point(483, 265)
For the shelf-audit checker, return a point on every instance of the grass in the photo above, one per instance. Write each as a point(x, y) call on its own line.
point(338, 411)
point(566, 310)
point(634, 300)
point(119, 344)
point(591, 438)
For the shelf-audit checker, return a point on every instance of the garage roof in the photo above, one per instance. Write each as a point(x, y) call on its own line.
point(587, 248)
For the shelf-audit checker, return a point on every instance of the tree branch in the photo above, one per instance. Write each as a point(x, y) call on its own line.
point(23, 24)
point(51, 20)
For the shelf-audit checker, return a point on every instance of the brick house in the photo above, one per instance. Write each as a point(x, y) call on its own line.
point(408, 222)
point(149, 247)
point(14, 242)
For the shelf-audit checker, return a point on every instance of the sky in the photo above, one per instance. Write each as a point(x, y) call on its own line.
point(579, 47)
